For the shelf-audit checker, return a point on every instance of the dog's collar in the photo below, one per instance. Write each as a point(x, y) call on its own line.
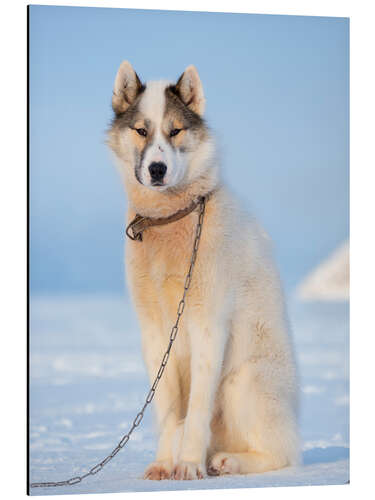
point(140, 223)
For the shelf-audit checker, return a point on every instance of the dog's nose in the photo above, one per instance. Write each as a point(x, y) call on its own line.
point(157, 170)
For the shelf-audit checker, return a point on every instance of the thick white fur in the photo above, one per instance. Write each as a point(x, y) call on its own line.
point(227, 402)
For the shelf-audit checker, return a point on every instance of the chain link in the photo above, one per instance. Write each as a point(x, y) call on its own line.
point(137, 420)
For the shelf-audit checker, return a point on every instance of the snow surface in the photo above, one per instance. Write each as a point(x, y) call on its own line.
point(330, 280)
point(88, 381)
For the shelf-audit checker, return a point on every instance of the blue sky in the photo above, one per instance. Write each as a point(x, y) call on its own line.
point(277, 90)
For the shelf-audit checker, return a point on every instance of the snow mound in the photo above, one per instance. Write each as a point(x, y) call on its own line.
point(330, 280)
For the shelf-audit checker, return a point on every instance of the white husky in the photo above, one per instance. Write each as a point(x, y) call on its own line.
point(227, 402)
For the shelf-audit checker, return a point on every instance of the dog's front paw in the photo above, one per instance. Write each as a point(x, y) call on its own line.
point(188, 470)
point(160, 469)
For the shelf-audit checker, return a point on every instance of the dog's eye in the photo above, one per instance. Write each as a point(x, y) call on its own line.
point(142, 131)
point(174, 132)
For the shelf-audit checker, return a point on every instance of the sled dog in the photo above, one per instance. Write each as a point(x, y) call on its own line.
point(227, 402)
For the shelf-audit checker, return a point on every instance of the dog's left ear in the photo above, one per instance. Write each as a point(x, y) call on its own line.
point(190, 90)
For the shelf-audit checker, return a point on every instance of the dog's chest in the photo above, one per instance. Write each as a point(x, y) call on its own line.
point(168, 249)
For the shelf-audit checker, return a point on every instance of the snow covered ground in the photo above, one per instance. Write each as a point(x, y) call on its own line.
point(87, 382)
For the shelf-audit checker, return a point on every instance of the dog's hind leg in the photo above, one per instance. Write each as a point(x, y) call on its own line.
point(243, 463)
point(258, 430)
point(258, 397)
point(270, 443)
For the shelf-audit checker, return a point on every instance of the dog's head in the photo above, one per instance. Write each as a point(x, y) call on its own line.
point(158, 132)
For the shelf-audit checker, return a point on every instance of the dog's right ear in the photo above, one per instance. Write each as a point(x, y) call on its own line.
point(126, 88)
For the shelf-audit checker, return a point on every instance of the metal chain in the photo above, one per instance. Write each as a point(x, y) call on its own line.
point(180, 309)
